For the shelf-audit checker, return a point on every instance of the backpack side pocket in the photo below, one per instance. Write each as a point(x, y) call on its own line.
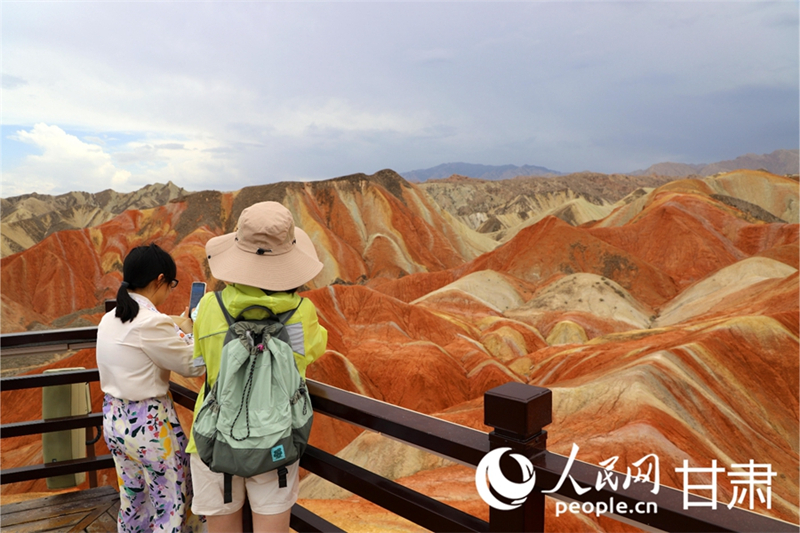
point(204, 429)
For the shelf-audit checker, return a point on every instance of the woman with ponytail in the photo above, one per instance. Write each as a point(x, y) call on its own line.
point(137, 348)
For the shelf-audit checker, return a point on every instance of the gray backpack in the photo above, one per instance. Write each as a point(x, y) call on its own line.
point(257, 417)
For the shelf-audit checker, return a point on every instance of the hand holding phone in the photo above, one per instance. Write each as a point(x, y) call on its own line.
point(183, 322)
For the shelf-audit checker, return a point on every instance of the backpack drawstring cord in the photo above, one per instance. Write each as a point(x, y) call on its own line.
point(248, 389)
point(301, 392)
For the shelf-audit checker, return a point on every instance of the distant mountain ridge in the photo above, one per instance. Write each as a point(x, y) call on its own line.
point(780, 162)
point(484, 172)
point(29, 218)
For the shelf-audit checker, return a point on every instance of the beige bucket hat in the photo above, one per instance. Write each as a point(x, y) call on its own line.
point(266, 251)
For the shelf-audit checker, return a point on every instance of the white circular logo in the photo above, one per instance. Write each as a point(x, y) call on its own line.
point(489, 473)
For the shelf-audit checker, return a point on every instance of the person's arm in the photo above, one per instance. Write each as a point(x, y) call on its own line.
point(165, 348)
point(183, 321)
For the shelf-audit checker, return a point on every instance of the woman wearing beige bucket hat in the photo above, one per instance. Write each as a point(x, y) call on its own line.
point(264, 262)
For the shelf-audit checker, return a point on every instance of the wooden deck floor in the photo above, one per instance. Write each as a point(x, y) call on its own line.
point(91, 511)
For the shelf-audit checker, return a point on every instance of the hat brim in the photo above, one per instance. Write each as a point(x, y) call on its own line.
point(280, 272)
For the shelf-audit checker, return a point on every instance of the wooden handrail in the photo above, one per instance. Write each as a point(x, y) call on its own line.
point(452, 441)
point(48, 341)
point(37, 381)
point(304, 521)
point(37, 427)
point(60, 468)
point(420, 509)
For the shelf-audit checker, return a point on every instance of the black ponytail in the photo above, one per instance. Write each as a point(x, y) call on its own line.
point(142, 265)
point(127, 308)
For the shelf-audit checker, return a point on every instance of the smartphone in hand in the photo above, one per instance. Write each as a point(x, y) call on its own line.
point(198, 290)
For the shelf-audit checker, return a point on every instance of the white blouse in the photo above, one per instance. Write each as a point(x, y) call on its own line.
point(135, 358)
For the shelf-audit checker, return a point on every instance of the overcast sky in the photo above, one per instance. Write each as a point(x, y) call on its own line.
point(224, 95)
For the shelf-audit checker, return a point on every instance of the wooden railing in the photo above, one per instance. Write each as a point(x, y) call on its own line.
point(517, 412)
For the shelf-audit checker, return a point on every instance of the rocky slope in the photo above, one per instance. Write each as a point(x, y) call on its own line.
point(501, 208)
point(670, 326)
point(365, 227)
point(28, 219)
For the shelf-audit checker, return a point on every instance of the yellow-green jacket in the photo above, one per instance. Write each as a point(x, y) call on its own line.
point(309, 339)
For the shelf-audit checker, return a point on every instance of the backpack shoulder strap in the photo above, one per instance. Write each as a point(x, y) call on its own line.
point(230, 321)
point(286, 315)
point(228, 318)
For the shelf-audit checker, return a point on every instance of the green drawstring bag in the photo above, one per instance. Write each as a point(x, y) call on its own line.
point(257, 417)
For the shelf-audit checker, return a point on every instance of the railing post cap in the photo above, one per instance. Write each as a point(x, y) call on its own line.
point(517, 408)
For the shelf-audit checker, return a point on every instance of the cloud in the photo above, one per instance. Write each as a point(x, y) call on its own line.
point(340, 115)
point(95, 139)
point(12, 82)
point(230, 95)
point(65, 164)
point(199, 162)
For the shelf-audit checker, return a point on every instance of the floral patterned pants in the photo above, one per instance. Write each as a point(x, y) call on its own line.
point(148, 446)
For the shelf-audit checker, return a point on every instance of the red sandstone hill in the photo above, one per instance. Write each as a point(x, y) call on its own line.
point(553, 247)
point(63, 280)
point(669, 327)
point(365, 227)
point(29, 218)
point(692, 235)
point(541, 253)
point(696, 393)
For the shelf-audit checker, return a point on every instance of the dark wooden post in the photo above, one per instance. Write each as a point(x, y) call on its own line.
point(518, 412)
point(90, 440)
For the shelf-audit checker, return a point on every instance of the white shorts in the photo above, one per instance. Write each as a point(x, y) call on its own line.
point(262, 490)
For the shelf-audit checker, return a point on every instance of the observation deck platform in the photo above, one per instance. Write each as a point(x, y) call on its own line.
point(84, 511)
